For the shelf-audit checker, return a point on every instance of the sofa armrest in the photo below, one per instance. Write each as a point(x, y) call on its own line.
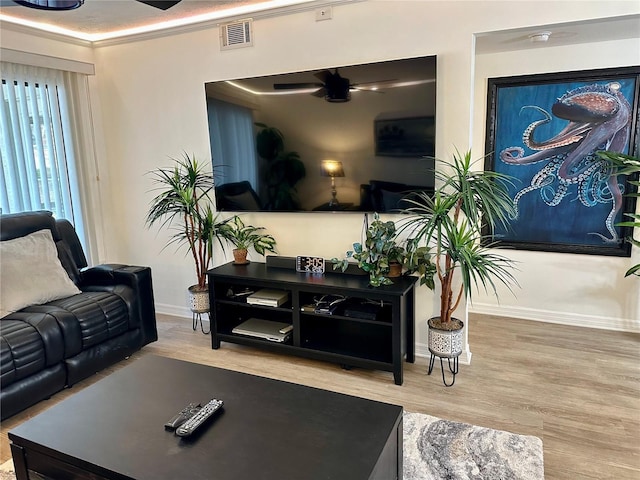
point(139, 279)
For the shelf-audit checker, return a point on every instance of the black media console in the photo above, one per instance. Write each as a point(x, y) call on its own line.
point(373, 328)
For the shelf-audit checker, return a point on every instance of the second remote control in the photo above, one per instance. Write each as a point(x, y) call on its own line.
point(191, 425)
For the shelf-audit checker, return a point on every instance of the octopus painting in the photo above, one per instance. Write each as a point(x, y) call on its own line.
point(588, 118)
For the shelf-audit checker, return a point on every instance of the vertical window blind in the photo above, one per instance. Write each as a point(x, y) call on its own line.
point(38, 168)
point(232, 141)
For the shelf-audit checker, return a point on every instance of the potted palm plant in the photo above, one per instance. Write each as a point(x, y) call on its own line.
point(243, 237)
point(184, 203)
point(627, 165)
point(451, 222)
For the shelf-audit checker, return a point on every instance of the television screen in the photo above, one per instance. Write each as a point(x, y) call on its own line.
point(349, 138)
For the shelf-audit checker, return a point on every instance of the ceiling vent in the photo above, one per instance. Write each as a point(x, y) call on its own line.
point(236, 34)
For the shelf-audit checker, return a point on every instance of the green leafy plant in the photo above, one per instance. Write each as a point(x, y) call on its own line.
point(451, 223)
point(184, 204)
point(629, 166)
point(244, 237)
point(380, 248)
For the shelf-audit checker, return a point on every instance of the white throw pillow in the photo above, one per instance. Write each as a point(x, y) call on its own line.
point(31, 273)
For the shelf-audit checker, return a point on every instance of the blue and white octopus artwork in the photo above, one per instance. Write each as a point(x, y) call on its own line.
point(562, 164)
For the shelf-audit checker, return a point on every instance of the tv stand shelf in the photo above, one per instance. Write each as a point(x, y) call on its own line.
point(382, 343)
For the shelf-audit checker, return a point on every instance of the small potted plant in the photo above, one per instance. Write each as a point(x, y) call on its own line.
point(243, 237)
point(185, 205)
point(451, 221)
point(381, 255)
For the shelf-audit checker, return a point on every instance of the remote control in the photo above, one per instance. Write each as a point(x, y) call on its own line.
point(182, 416)
point(191, 425)
point(286, 329)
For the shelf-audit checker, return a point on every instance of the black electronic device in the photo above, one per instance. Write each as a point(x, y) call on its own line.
point(182, 416)
point(191, 425)
point(362, 309)
point(306, 264)
point(329, 304)
point(239, 296)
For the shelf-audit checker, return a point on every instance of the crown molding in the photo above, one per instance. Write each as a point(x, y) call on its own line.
point(8, 24)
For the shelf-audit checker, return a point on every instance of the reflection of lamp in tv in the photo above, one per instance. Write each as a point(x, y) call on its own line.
point(333, 169)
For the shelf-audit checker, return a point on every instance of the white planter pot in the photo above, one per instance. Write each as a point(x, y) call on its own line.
point(445, 343)
point(198, 299)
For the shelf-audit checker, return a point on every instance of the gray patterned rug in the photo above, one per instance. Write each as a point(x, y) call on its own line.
point(436, 449)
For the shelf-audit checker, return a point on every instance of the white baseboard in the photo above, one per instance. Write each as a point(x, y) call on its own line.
point(573, 319)
point(422, 351)
point(174, 311)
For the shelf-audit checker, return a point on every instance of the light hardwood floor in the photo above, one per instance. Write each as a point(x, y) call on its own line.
point(577, 389)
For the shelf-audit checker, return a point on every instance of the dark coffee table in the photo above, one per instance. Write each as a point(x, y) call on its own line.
point(268, 429)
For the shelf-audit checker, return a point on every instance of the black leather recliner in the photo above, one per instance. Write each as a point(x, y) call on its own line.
point(44, 348)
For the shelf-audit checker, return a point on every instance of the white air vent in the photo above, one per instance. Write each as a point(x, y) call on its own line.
point(236, 34)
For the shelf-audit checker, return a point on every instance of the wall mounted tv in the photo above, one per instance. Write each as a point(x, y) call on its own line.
point(271, 137)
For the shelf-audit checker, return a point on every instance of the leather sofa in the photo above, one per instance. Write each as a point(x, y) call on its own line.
point(45, 348)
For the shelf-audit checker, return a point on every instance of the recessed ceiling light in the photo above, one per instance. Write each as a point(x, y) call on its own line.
point(540, 37)
point(51, 4)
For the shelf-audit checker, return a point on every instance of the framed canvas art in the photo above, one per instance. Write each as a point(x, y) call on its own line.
point(405, 137)
point(544, 132)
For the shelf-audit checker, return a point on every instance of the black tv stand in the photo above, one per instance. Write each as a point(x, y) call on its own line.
point(382, 343)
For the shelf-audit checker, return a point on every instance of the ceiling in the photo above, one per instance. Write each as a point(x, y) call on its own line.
point(587, 31)
point(104, 19)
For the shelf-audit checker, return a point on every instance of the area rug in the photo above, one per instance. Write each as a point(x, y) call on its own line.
point(6, 471)
point(436, 449)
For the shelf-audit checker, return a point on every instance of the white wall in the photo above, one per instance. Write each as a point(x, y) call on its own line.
point(153, 107)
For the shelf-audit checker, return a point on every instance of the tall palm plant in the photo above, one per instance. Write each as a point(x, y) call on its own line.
point(451, 222)
point(630, 166)
point(184, 203)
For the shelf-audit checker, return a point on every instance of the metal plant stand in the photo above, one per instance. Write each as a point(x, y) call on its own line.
point(447, 344)
point(453, 370)
point(197, 318)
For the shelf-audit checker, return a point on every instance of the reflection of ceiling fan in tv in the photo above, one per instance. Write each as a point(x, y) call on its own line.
point(335, 88)
point(71, 4)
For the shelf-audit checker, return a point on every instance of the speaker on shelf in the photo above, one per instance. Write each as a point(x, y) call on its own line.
point(277, 261)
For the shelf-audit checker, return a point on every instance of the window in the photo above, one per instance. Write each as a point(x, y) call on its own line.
point(47, 148)
point(38, 172)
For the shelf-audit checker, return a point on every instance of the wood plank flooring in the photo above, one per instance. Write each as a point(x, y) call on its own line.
point(577, 389)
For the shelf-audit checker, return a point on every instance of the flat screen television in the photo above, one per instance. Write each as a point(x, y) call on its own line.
point(351, 138)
